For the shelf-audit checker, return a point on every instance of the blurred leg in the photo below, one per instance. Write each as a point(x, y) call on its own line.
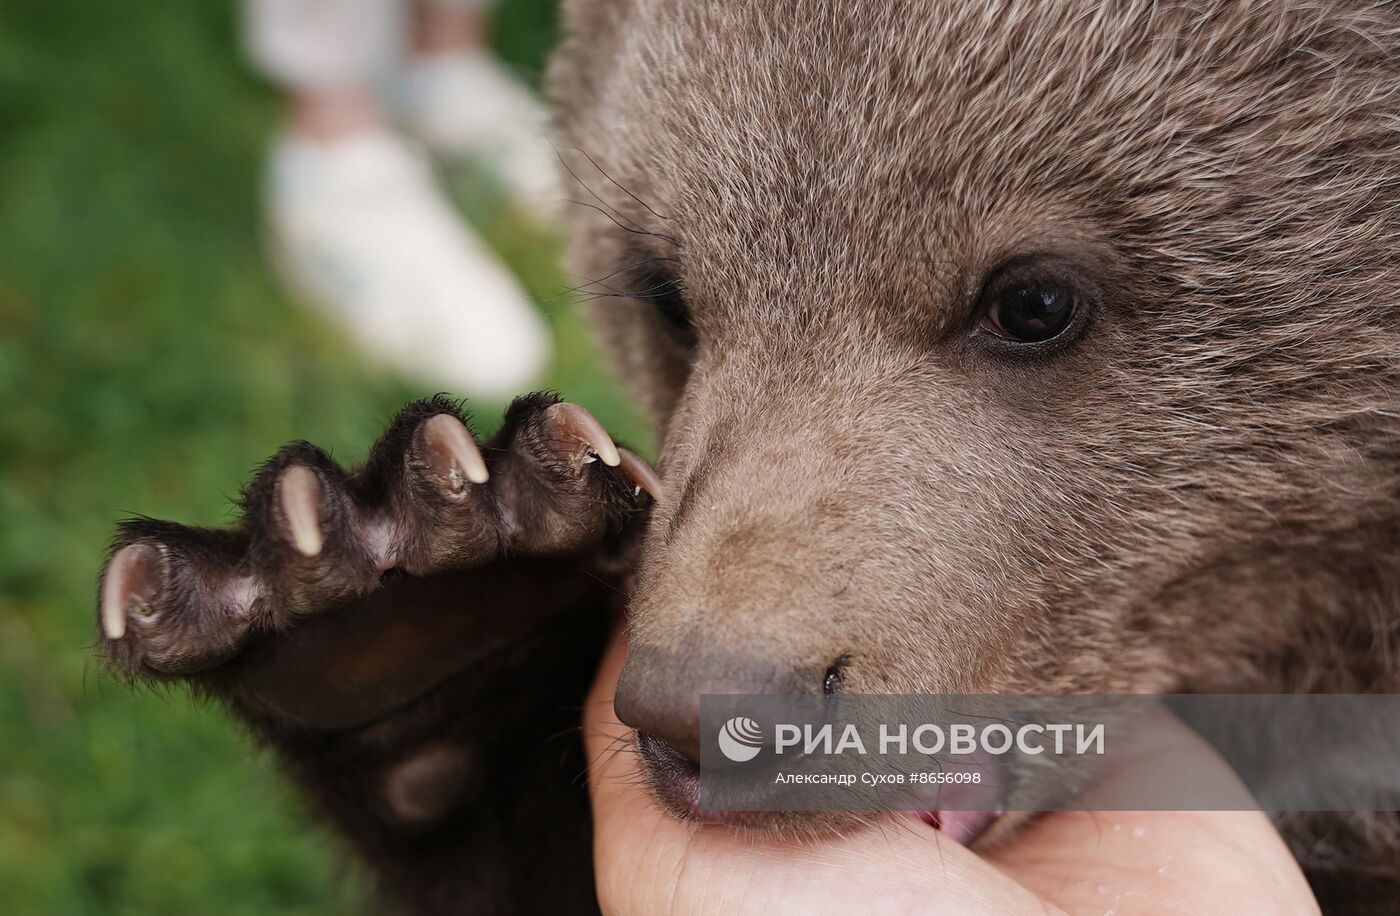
point(463, 103)
point(304, 45)
point(444, 26)
point(360, 227)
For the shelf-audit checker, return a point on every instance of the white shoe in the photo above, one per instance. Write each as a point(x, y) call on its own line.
point(362, 231)
point(466, 104)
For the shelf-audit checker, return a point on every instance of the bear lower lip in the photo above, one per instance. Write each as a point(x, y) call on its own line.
point(673, 776)
point(675, 780)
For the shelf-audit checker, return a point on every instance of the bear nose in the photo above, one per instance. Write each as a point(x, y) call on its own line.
point(659, 692)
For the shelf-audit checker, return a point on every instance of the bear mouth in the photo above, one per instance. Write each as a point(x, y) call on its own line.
point(674, 780)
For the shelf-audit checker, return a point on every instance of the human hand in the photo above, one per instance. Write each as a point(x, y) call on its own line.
point(1196, 862)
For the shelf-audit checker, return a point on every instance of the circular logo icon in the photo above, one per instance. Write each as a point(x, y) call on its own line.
point(740, 739)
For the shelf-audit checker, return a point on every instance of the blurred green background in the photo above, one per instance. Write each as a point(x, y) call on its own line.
point(148, 360)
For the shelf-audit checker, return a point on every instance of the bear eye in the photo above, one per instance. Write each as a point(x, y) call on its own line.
point(667, 296)
point(1030, 312)
point(671, 306)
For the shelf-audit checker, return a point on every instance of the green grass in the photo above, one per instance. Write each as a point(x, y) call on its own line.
point(147, 362)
